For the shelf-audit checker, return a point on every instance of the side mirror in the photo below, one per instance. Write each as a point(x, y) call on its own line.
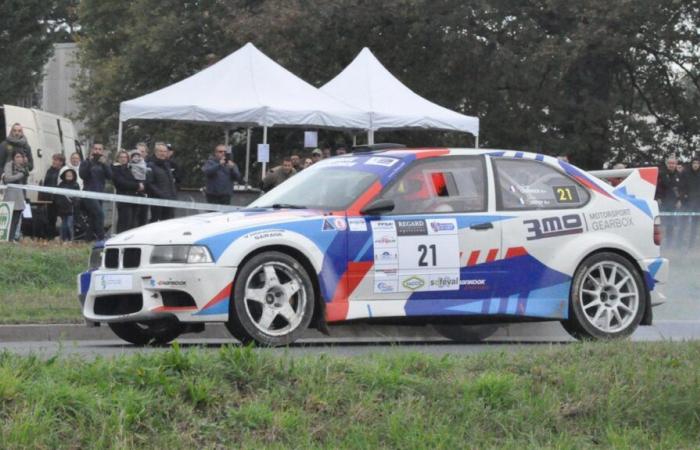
point(377, 207)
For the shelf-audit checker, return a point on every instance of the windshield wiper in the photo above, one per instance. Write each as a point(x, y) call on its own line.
point(284, 206)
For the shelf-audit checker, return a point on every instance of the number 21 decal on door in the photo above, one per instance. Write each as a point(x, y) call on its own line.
point(415, 255)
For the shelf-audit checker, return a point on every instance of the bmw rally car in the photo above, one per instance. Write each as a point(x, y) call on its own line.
point(446, 236)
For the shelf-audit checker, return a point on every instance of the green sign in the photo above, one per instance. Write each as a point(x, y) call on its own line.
point(5, 219)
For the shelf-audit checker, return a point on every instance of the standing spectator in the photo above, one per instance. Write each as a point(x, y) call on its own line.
point(95, 172)
point(141, 172)
point(74, 163)
point(670, 193)
point(174, 166)
point(221, 173)
point(16, 141)
point(316, 156)
point(162, 183)
point(326, 152)
point(51, 180)
point(617, 181)
point(307, 163)
point(66, 206)
point(125, 184)
point(341, 150)
point(278, 175)
point(143, 149)
point(15, 172)
point(296, 162)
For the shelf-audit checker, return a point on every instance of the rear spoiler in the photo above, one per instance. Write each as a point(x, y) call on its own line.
point(639, 182)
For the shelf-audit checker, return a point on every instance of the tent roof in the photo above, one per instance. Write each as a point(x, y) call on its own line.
point(367, 85)
point(246, 88)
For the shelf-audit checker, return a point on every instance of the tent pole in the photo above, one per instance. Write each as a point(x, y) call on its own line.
point(247, 155)
point(354, 140)
point(264, 166)
point(476, 141)
point(370, 137)
point(113, 225)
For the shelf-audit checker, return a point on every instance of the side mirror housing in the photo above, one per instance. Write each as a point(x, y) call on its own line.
point(377, 207)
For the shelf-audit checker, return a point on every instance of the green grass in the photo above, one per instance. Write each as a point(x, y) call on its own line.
point(608, 395)
point(38, 282)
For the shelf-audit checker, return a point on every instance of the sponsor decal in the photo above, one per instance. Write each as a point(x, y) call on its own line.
point(381, 161)
point(5, 219)
point(113, 282)
point(341, 162)
point(442, 226)
point(411, 228)
point(414, 282)
point(554, 226)
point(384, 240)
point(340, 224)
point(383, 225)
point(265, 234)
point(385, 286)
point(474, 284)
point(327, 225)
point(605, 220)
point(444, 282)
point(357, 224)
point(386, 256)
point(168, 283)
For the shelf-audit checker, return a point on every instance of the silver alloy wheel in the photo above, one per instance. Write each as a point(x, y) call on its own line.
point(275, 298)
point(609, 296)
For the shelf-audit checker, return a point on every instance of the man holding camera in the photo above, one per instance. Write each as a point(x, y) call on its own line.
point(221, 173)
point(94, 171)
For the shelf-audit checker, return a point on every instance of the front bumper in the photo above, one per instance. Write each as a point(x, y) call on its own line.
point(655, 277)
point(191, 293)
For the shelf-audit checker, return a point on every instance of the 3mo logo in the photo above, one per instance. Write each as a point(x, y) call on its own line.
point(554, 226)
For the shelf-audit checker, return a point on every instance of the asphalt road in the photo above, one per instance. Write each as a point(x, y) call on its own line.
point(357, 341)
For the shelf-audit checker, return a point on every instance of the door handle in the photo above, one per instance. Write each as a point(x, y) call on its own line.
point(482, 226)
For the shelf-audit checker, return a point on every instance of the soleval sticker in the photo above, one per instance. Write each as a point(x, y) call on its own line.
point(357, 224)
point(381, 161)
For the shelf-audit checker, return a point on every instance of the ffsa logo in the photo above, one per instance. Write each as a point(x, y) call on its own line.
point(553, 226)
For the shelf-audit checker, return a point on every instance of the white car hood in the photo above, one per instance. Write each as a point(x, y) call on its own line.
point(188, 230)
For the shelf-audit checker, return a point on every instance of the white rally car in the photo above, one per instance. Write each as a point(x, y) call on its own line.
point(439, 236)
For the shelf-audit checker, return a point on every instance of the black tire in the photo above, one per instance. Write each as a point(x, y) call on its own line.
point(595, 294)
point(156, 332)
point(466, 333)
point(246, 315)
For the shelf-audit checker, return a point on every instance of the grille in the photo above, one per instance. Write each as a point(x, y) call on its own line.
point(112, 258)
point(115, 305)
point(131, 258)
point(177, 298)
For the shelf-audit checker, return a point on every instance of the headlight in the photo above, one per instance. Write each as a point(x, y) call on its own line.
point(95, 258)
point(174, 254)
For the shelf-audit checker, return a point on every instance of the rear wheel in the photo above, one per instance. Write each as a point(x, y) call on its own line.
point(154, 332)
point(466, 333)
point(273, 300)
point(608, 298)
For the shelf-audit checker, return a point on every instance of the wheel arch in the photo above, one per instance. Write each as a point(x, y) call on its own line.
point(318, 320)
point(647, 318)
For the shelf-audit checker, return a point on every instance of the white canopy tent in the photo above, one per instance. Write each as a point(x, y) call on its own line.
point(367, 85)
point(245, 89)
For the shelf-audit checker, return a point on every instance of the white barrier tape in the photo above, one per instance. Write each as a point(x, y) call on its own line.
point(135, 200)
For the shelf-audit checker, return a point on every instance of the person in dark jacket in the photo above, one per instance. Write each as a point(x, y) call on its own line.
point(95, 172)
point(142, 174)
point(66, 206)
point(16, 141)
point(278, 175)
point(174, 166)
point(221, 173)
point(162, 183)
point(692, 203)
point(125, 184)
point(51, 180)
point(670, 193)
point(15, 172)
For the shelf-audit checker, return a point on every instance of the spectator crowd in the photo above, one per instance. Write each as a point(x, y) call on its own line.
point(135, 173)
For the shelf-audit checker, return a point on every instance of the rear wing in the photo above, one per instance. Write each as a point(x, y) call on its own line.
point(639, 182)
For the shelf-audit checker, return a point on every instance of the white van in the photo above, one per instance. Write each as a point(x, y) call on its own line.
point(46, 134)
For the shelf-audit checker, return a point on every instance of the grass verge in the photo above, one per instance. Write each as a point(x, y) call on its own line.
point(606, 395)
point(37, 281)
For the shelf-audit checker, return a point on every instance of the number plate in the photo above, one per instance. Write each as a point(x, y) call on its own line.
point(113, 282)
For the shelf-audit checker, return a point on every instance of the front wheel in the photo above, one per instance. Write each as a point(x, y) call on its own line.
point(154, 332)
point(273, 300)
point(608, 298)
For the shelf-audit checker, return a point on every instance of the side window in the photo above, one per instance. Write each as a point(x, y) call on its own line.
point(441, 185)
point(527, 184)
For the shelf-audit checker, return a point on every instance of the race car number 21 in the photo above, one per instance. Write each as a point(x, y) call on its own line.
point(423, 250)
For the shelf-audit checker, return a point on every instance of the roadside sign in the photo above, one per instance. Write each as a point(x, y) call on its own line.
point(5, 219)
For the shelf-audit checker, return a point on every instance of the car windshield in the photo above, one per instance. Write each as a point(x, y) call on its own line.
point(322, 186)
